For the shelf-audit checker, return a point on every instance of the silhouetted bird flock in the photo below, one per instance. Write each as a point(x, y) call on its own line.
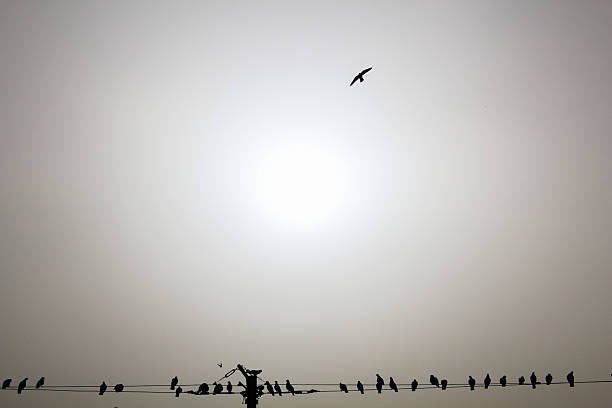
point(276, 389)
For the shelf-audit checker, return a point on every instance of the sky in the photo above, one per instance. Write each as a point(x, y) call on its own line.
point(187, 183)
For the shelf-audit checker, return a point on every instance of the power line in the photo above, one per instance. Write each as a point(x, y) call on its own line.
point(70, 388)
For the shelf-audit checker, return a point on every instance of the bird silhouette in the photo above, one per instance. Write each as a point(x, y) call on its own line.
point(570, 378)
point(444, 384)
point(6, 383)
point(472, 383)
point(289, 387)
point(533, 379)
point(203, 389)
point(414, 385)
point(548, 378)
point(22, 385)
point(269, 387)
point(173, 382)
point(360, 386)
point(344, 388)
point(118, 387)
point(218, 388)
point(229, 387)
point(40, 382)
point(360, 76)
point(277, 388)
point(220, 365)
point(392, 384)
point(103, 388)
point(503, 381)
point(379, 383)
point(521, 380)
point(487, 381)
point(178, 391)
point(434, 380)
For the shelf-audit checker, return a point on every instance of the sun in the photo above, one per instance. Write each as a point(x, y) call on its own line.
point(300, 186)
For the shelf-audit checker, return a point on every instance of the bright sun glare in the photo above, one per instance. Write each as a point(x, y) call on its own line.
point(300, 186)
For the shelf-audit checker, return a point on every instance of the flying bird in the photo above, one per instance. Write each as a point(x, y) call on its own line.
point(503, 381)
point(289, 387)
point(570, 378)
point(40, 382)
point(414, 385)
point(487, 381)
point(203, 389)
point(6, 383)
point(229, 387)
point(277, 388)
point(173, 382)
point(472, 383)
point(548, 378)
point(444, 384)
point(360, 76)
point(533, 379)
point(22, 385)
point(118, 387)
point(379, 383)
point(178, 391)
point(360, 386)
point(434, 380)
point(269, 387)
point(343, 388)
point(220, 365)
point(103, 388)
point(521, 380)
point(392, 384)
point(218, 388)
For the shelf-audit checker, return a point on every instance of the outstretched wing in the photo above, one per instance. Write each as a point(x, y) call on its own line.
point(354, 80)
point(365, 70)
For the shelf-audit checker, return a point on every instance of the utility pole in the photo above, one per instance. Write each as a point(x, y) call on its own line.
point(252, 392)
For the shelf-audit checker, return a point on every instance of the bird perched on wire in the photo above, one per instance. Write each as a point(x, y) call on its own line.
point(277, 388)
point(503, 381)
point(472, 383)
point(570, 378)
point(521, 380)
point(229, 387)
point(444, 384)
point(119, 387)
point(173, 382)
point(203, 389)
point(6, 383)
point(433, 380)
point(178, 391)
point(344, 388)
point(414, 385)
point(22, 385)
point(533, 379)
point(269, 387)
point(218, 388)
point(392, 384)
point(289, 387)
point(360, 75)
point(360, 386)
point(40, 382)
point(103, 388)
point(487, 381)
point(549, 378)
point(379, 383)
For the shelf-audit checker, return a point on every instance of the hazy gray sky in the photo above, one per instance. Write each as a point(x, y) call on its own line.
point(143, 233)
